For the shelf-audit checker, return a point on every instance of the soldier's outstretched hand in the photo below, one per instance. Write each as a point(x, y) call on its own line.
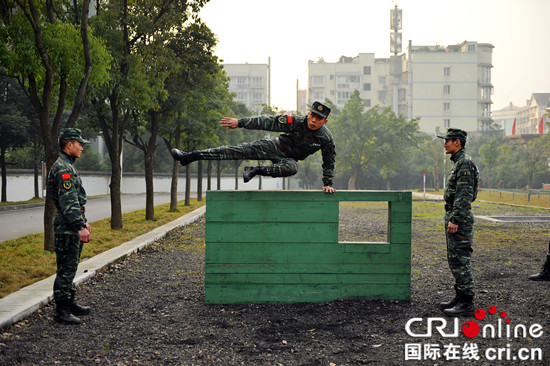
point(229, 123)
point(328, 189)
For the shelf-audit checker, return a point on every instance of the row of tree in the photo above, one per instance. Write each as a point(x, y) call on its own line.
point(142, 71)
point(134, 71)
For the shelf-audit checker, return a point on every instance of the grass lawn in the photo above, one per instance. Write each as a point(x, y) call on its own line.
point(24, 261)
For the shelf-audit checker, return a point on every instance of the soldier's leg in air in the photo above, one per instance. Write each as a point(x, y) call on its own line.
point(283, 167)
point(256, 150)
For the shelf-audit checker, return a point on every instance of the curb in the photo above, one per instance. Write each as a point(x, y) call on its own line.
point(20, 304)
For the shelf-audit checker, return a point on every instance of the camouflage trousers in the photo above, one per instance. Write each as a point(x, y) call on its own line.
point(264, 149)
point(459, 252)
point(68, 248)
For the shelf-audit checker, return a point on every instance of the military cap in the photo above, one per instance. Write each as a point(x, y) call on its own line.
point(69, 134)
point(454, 133)
point(320, 109)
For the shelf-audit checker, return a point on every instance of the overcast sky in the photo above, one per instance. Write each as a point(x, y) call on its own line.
point(292, 32)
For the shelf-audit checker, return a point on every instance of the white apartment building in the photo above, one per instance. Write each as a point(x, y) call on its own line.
point(450, 86)
point(442, 86)
point(337, 81)
point(250, 83)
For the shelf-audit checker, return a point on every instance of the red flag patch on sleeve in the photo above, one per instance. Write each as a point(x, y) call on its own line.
point(290, 119)
point(66, 176)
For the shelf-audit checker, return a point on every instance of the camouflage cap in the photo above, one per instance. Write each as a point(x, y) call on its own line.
point(70, 134)
point(454, 133)
point(320, 109)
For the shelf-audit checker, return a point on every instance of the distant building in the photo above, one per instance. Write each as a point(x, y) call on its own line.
point(302, 102)
point(443, 86)
point(504, 118)
point(451, 86)
point(250, 83)
point(528, 117)
point(337, 81)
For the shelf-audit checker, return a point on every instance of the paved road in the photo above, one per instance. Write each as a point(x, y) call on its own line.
point(16, 223)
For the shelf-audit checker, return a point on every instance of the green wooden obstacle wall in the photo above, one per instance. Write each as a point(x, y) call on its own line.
point(282, 247)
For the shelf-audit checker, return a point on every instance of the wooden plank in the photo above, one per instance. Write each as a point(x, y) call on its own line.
point(314, 232)
point(308, 268)
point(314, 195)
point(243, 294)
point(382, 248)
point(290, 253)
point(306, 278)
point(272, 211)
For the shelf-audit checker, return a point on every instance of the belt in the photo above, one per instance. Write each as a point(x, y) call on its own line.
point(279, 145)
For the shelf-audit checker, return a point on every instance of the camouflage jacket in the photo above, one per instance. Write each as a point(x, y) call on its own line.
point(298, 141)
point(461, 189)
point(65, 188)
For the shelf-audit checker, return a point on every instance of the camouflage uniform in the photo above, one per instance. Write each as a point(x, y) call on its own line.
point(460, 192)
point(296, 143)
point(65, 188)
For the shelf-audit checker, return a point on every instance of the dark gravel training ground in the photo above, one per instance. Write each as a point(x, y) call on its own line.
point(149, 308)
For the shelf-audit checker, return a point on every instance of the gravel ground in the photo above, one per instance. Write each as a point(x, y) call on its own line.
point(149, 308)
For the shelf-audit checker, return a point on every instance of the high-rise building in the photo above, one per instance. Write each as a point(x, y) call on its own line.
point(450, 86)
point(250, 83)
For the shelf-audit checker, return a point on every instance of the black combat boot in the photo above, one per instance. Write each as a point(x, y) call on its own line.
point(77, 309)
point(183, 157)
point(64, 315)
point(464, 307)
point(251, 171)
point(449, 304)
point(544, 275)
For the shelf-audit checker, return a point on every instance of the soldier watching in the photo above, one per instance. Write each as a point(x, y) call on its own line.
point(544, 274)
point(303, 136)
point(71, 228)
point(460, 192)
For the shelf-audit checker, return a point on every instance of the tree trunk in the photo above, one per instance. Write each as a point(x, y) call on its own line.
point(436, 178)
point(236, 165)
point(49, 208)
point(149, 190)
point(219, 174)
point(388, 184)
point(174, 186)
point(187, 185)
point(114, 186)
point(4, 174)
point(353, 179)
point(209, 176)
point(35, 164)
point(199, 180)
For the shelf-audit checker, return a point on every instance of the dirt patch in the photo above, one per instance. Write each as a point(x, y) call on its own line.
point(149, 309)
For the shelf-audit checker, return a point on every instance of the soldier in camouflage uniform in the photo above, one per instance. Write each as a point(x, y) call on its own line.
point(543, 275)
point(302, 137)
point(71, 228)
point(460, 192)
